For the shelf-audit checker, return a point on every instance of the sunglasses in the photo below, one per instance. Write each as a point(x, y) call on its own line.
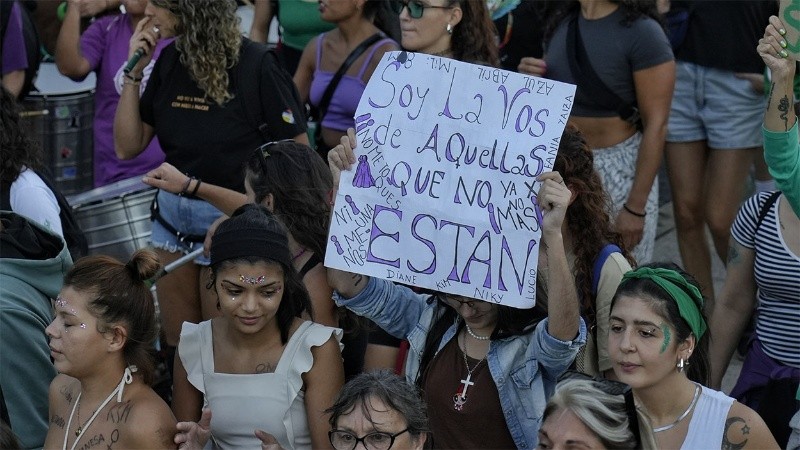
point(611, 387)
point(262, 151)
point(415, 8)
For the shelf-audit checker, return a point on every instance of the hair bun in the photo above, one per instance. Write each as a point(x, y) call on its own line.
point(143, 265)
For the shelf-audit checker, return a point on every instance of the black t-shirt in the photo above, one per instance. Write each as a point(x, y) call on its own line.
point(528, 22)
point(724, 34)
point(212, 142)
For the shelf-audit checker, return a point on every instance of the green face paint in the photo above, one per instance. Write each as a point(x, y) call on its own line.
point(665, 330)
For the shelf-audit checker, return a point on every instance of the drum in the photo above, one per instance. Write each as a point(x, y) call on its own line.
point(115, 217)
point(60, 115)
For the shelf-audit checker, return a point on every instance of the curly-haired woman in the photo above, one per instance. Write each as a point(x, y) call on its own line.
point(594, 250)
point(458, 29)
point(198, 104)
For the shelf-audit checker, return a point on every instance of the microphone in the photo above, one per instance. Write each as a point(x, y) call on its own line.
point(137, 55)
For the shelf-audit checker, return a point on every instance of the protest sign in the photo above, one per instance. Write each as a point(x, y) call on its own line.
point(790, 16)
point(443, 194)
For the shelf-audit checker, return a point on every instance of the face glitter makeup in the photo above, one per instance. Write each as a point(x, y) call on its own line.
point(252, 280)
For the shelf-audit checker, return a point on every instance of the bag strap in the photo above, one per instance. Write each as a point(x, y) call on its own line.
point(351, 58)
point(588, 80)
point(605, 252)
point(764, 210)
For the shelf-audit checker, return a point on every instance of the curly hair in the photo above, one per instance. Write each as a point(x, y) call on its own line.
point(208, 41)
point(474, 38)
point(300, 183)
point(632, 9)
point(19, 151)
point(588, 216)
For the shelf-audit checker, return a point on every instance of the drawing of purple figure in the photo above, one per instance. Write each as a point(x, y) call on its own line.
point(363, 178)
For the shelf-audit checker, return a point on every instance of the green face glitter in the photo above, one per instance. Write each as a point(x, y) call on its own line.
point(665, 330)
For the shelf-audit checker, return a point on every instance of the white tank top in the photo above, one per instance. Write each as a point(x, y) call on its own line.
point(708, 421)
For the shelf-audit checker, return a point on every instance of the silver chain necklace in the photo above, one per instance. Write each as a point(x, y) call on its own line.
point(685, 413)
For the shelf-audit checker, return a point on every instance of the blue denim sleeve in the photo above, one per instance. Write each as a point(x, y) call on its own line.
point(396, 309)
point(555, 355)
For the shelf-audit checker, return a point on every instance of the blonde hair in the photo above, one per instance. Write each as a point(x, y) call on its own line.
point(208, 41)
point(603, 413)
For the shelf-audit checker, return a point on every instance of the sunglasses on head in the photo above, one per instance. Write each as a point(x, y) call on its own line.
point(415, 7)
point(611, 387)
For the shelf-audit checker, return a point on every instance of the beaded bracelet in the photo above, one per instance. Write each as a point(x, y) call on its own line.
point(632, 212)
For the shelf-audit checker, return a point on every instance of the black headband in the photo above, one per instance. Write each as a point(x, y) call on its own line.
point(247, 242)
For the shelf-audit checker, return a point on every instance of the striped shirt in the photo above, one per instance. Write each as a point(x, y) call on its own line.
point(777, 274)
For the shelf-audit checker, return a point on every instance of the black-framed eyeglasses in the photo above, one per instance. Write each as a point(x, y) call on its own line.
point(415, 7)
point(378, 440)
point(611, 387)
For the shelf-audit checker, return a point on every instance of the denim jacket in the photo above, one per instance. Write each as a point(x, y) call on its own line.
point(525, 368)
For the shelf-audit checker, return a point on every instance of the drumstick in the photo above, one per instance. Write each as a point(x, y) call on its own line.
point(177, 263)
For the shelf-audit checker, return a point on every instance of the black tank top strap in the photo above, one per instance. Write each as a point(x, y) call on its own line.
point(312, 262)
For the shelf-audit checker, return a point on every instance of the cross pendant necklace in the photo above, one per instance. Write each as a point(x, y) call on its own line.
point(460, 399)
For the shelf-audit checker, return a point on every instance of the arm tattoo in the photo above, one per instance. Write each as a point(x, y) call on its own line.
point(57, 421)
point(357, 279)
point(783, 107)
point(733, 255)
point(769, 96)
point(730, 424)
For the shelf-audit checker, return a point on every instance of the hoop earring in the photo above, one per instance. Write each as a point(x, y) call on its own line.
point(449, 29)
point(682, 364)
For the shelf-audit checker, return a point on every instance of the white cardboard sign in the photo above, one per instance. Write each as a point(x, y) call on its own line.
point(443, 195)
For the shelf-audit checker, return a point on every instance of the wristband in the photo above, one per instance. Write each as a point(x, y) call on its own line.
point(185, 189)
point(133, 78)
point(632, 212)
point(196, 188)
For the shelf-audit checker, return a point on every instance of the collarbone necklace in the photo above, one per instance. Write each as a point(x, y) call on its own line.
point(127, 378)
point(460, 399)
point(684, 414)
point(476, 336)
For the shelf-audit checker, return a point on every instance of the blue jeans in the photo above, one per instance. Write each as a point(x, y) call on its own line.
point(188, 216)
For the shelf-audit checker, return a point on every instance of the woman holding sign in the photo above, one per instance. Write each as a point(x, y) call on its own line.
point(486, 369)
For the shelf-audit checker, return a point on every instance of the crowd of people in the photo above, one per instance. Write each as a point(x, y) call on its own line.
point(266, 347)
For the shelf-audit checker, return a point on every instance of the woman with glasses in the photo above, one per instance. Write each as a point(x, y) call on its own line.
point(593, 414)
point(366, 25)
point(259, 366)
point(658, 341)
point(457, 29)
point(486, 370)
point(201, 105)
point(380, 411)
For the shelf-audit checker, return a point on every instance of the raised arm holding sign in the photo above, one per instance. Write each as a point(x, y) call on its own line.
point(445, 184)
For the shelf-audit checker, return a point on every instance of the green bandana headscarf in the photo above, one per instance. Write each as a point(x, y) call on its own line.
point(689, 303)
